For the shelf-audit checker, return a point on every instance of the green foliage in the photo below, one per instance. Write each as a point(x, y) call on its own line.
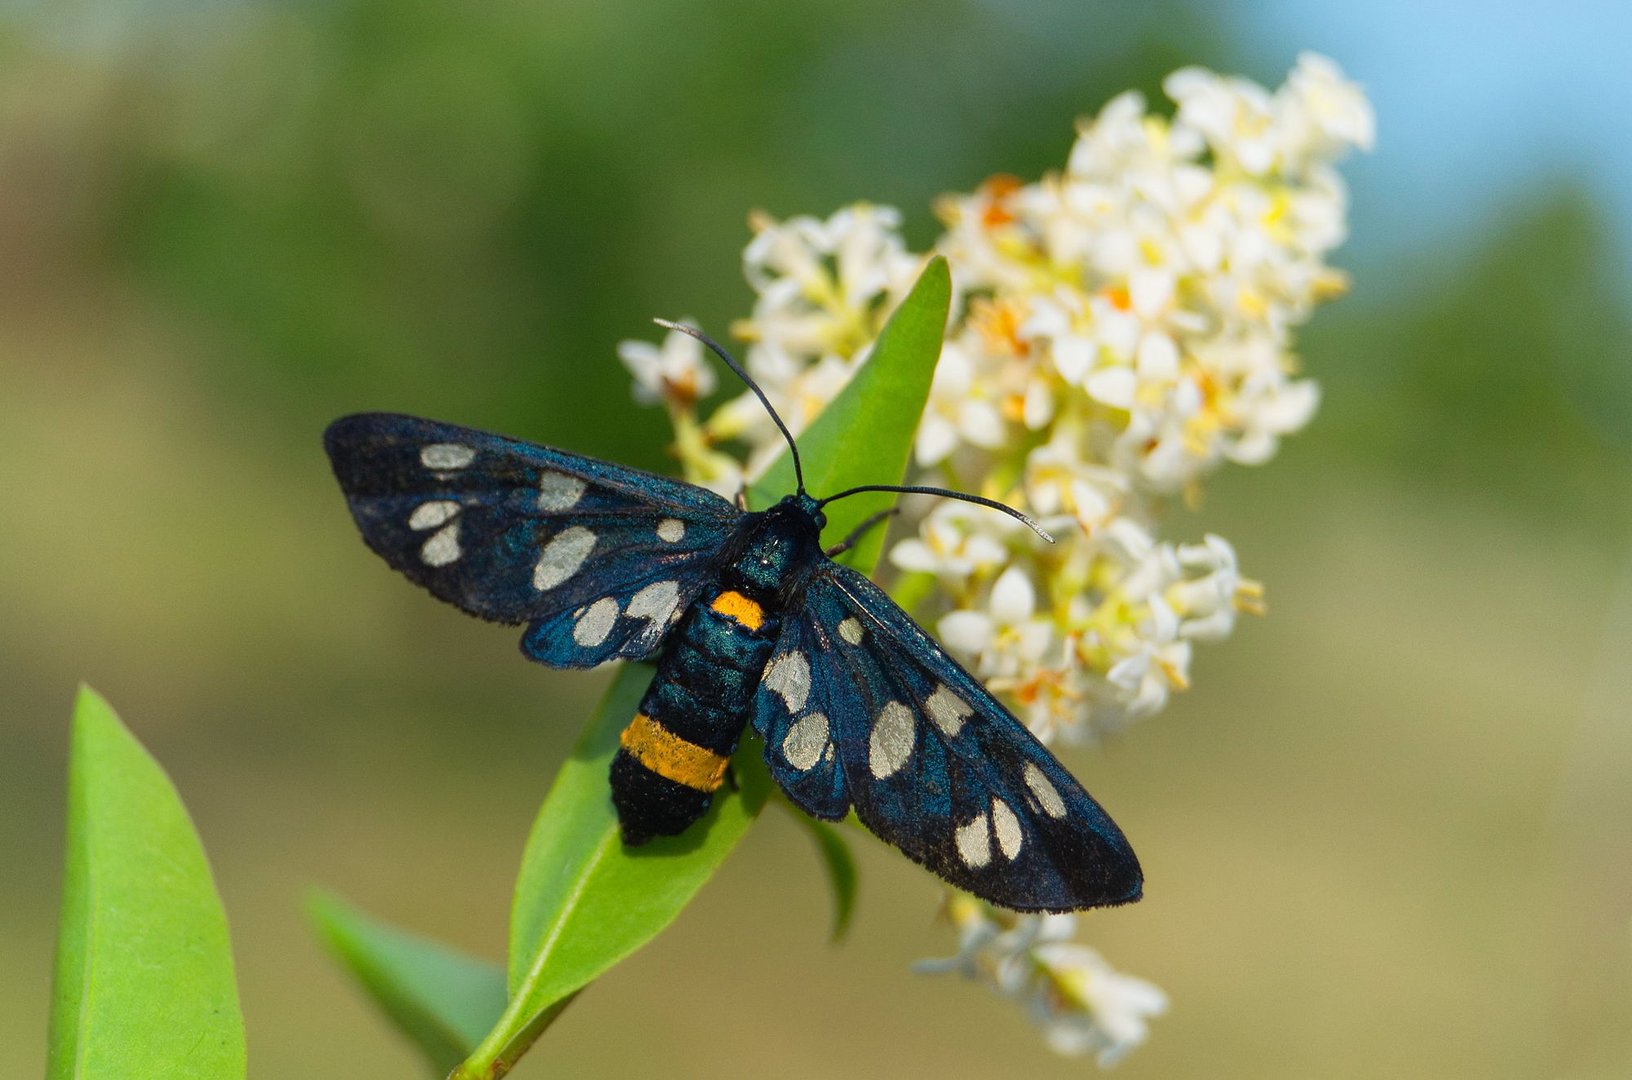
point(370, 192)
point(583, 901)
point(1503, 375)
point(144, 983)
point(442, 999)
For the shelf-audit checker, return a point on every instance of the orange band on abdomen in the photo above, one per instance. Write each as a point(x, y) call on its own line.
point(737, 606)
point(671, 757)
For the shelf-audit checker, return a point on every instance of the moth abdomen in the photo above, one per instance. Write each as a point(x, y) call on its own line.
point(674, 754)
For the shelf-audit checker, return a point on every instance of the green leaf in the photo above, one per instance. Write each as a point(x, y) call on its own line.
point(583, 902)
point(442, 999)
point(144, 983)
point(840, 866)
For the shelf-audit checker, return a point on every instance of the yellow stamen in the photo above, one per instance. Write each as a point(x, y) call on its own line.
point(1249, 597)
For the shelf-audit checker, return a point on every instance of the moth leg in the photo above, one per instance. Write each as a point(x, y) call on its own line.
point(742, 497)
point(731, 778)
point(855, 534)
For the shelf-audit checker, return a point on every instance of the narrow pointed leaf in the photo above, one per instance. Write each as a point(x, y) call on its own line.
point(840, 866)
point(144, 981)
point(583, 902)
point(442, 999)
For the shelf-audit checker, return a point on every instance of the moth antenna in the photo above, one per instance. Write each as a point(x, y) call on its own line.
point(731, 362)
point(961, 496)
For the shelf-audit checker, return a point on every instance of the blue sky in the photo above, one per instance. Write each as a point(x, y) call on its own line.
point(1476, 103)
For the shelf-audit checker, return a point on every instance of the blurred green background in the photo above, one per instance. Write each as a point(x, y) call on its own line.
point(1387, 832)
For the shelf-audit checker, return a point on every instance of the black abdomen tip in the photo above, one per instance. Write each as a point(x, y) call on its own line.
point(650, 805)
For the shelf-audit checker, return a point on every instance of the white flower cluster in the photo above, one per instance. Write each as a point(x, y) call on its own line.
point(1119, 330)
point(1082, 1004)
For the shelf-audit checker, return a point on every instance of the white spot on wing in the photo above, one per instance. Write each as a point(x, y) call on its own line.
point(806, 742)
point(891, 743)
point(1046, 794)
point(789, 675)
point(596, 622)
point(442, 548)
point(558, 491)
point(671, 530)
point(974, 842)
point(1007, 828)
point(948, 710)
point(562, 556)
point(446, 455)
point(428, 515)
point(850, 630)
point(655, 603)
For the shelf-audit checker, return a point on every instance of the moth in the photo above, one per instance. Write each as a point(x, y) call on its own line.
point(750, 620)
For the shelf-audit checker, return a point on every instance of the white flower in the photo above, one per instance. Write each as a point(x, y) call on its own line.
point(1166, 444)
point(1115, 142)
point(1005, 638)
point(1130, 644)
point(718, 472)
point(956, 540)
point(986, 236)
point(1211, 591)
point(1266, 407)
point(1081, 1003)
point(1060, 481)
point(1234, 116)
point(1019, 652)
point(673, 372)
point(1139, 684)
point(958, 413)
point(1088, 1007)
point(1321, 113)
point(824, 285)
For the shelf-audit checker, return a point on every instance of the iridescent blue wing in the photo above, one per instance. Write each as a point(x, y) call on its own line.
point(597, 558)
point(859, 706)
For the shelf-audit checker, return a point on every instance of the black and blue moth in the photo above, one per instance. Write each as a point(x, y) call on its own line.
point(749, 621)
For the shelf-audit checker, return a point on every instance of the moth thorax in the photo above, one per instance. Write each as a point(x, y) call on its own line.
point(779, 553)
